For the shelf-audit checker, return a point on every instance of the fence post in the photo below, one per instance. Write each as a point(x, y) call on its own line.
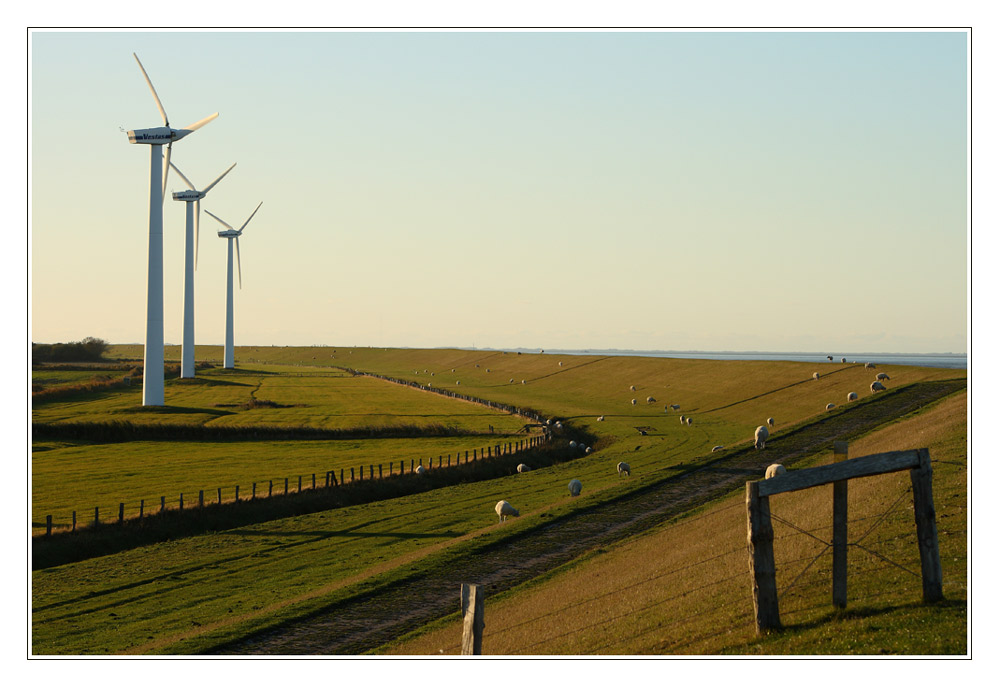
point(411, 465)
point(74, 521)
point(840, 531)
point(760, 543)
point(466, 457)
point(286, 485)
point(380, 471)
point(472, 619)
point(201, 499)
point(142, 506)
point(352, 474)
point(253, 491)
point(927, 538)
point(181, 502)
point(97, 517)
point(237, 498)
point(121, 512)
point(300, 483)
point(341, 476)
point(371, 472)
point(163, 503)
point(314, 481)
point(48, 525)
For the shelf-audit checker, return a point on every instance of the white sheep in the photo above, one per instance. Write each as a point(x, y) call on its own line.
point(631, 388)
point(572, 443)
point(717, 447)
point(675, 407)
point(587, 450)
point(852, 396)
point(682, 420)
point(574, 487)
point(843, 360)
point(600, 418)
point(877, 387)
point(633, 402)
point(760, 437)
point(830, 407)
point(650, 400)
point(770, 422)
point(420, 470)
point(870, 365)
point(815, 376)
point(523, 382)
point(504, 509)
point(521, 468)
point(688, 420)
point(773, 470)
point(624, 469)
point(560, 363)
point(881, 376)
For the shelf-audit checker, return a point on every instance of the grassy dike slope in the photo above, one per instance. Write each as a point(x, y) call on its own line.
point(193, 594)
point(685, 588)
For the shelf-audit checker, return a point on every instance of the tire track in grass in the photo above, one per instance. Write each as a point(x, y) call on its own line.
point(372, 618)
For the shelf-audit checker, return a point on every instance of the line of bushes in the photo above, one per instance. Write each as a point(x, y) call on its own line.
point(89, 349)
point(62, 547)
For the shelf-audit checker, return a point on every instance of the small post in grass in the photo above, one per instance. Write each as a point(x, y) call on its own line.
point(48, 524)
point(201, 499)
point(286, 485)
point(163, 503)
point(142, 507)
point(121, 512)
point(97, 517)
point(220, 495)
point(472, 619)
point(74, 521)
point(840, 531)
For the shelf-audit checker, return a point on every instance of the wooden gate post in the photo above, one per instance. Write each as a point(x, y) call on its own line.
point(760, 543)
point(472, 619)
point(840, 531)
point(927, 539)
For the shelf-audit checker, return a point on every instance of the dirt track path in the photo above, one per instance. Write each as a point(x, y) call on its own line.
point(378, 616)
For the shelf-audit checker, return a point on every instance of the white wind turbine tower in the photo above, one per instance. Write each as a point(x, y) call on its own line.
point(229, 360)
point(152, 376)
point(193, 199)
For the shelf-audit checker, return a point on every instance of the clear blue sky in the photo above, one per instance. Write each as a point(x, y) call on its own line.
point(646, 190)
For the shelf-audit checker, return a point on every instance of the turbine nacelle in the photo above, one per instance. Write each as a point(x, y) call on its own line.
point(188, 195)
point(229, 233)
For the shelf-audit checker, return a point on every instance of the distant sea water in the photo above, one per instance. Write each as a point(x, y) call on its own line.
point(949, 360)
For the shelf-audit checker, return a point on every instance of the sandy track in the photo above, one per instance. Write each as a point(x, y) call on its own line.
point(377, 616)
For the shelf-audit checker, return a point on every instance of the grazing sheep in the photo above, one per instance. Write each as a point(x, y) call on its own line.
point(521, 468)
point(760, 437)
point(870, 365)
point(572, 443)
point(682, 420)
point(675, 407)
point(420, 470)
point(773, 470)
point(688, 420)
point(877, 387)
point(851, 396)
point(600, 418)
point(830, 407)
point(642, 432)
point(815, 376)
point(560, 363)
point(843, 360)
point(511, 381)
point(559, 424)
point(624, 469)
point(770, 422)
point(829, 358)
point(650, 400)
point(633, 402)
point(632, 388)
point(523, 382)
point(504, 509)
point(717, 447)
point(574, 487)
point(881, 376)
point(587, 450)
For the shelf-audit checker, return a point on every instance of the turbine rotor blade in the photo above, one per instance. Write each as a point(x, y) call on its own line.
point(186, 180)
point(239, 268)
point(159, 105)
point(166, 173)
point(223, 223)
point(209, 187)
point(197, 212)
point(251, 216)
point(196, 126)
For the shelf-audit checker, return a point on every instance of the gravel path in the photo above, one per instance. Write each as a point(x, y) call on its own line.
point(378, 616)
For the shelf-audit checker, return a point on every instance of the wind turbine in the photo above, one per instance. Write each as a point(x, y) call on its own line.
point(152, 376)
point(193, 199)
point(229, 360)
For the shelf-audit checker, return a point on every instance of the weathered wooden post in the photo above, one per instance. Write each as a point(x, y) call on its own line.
point(142, 506)
point(237, 493)
point(314, 481)
point(371, 472)
point(74, 521)
point(181, 502)
point(201, 499)
point(760, 543)
point(926, 518)
point(300, 484)
point(121, 512)
point(352, 474)
point(286, 485)
point(253, 490)
point(402, 468)
point(97, 517)
point(380, 471)
point(840, 531)
point(341, 476)
point(472, 619)
point(48, 525)
point(163, 503)
point(466, 456)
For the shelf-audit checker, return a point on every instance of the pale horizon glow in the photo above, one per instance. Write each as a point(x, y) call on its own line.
point(714, 191)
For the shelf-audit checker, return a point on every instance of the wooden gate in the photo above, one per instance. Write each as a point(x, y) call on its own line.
point(760, 534)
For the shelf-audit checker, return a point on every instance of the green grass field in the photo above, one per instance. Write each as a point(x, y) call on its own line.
point(188, 595)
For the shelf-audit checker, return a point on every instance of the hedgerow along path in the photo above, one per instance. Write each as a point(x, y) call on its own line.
point(372, 618)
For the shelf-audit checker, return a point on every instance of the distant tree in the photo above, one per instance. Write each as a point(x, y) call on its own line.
point(90, 349)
